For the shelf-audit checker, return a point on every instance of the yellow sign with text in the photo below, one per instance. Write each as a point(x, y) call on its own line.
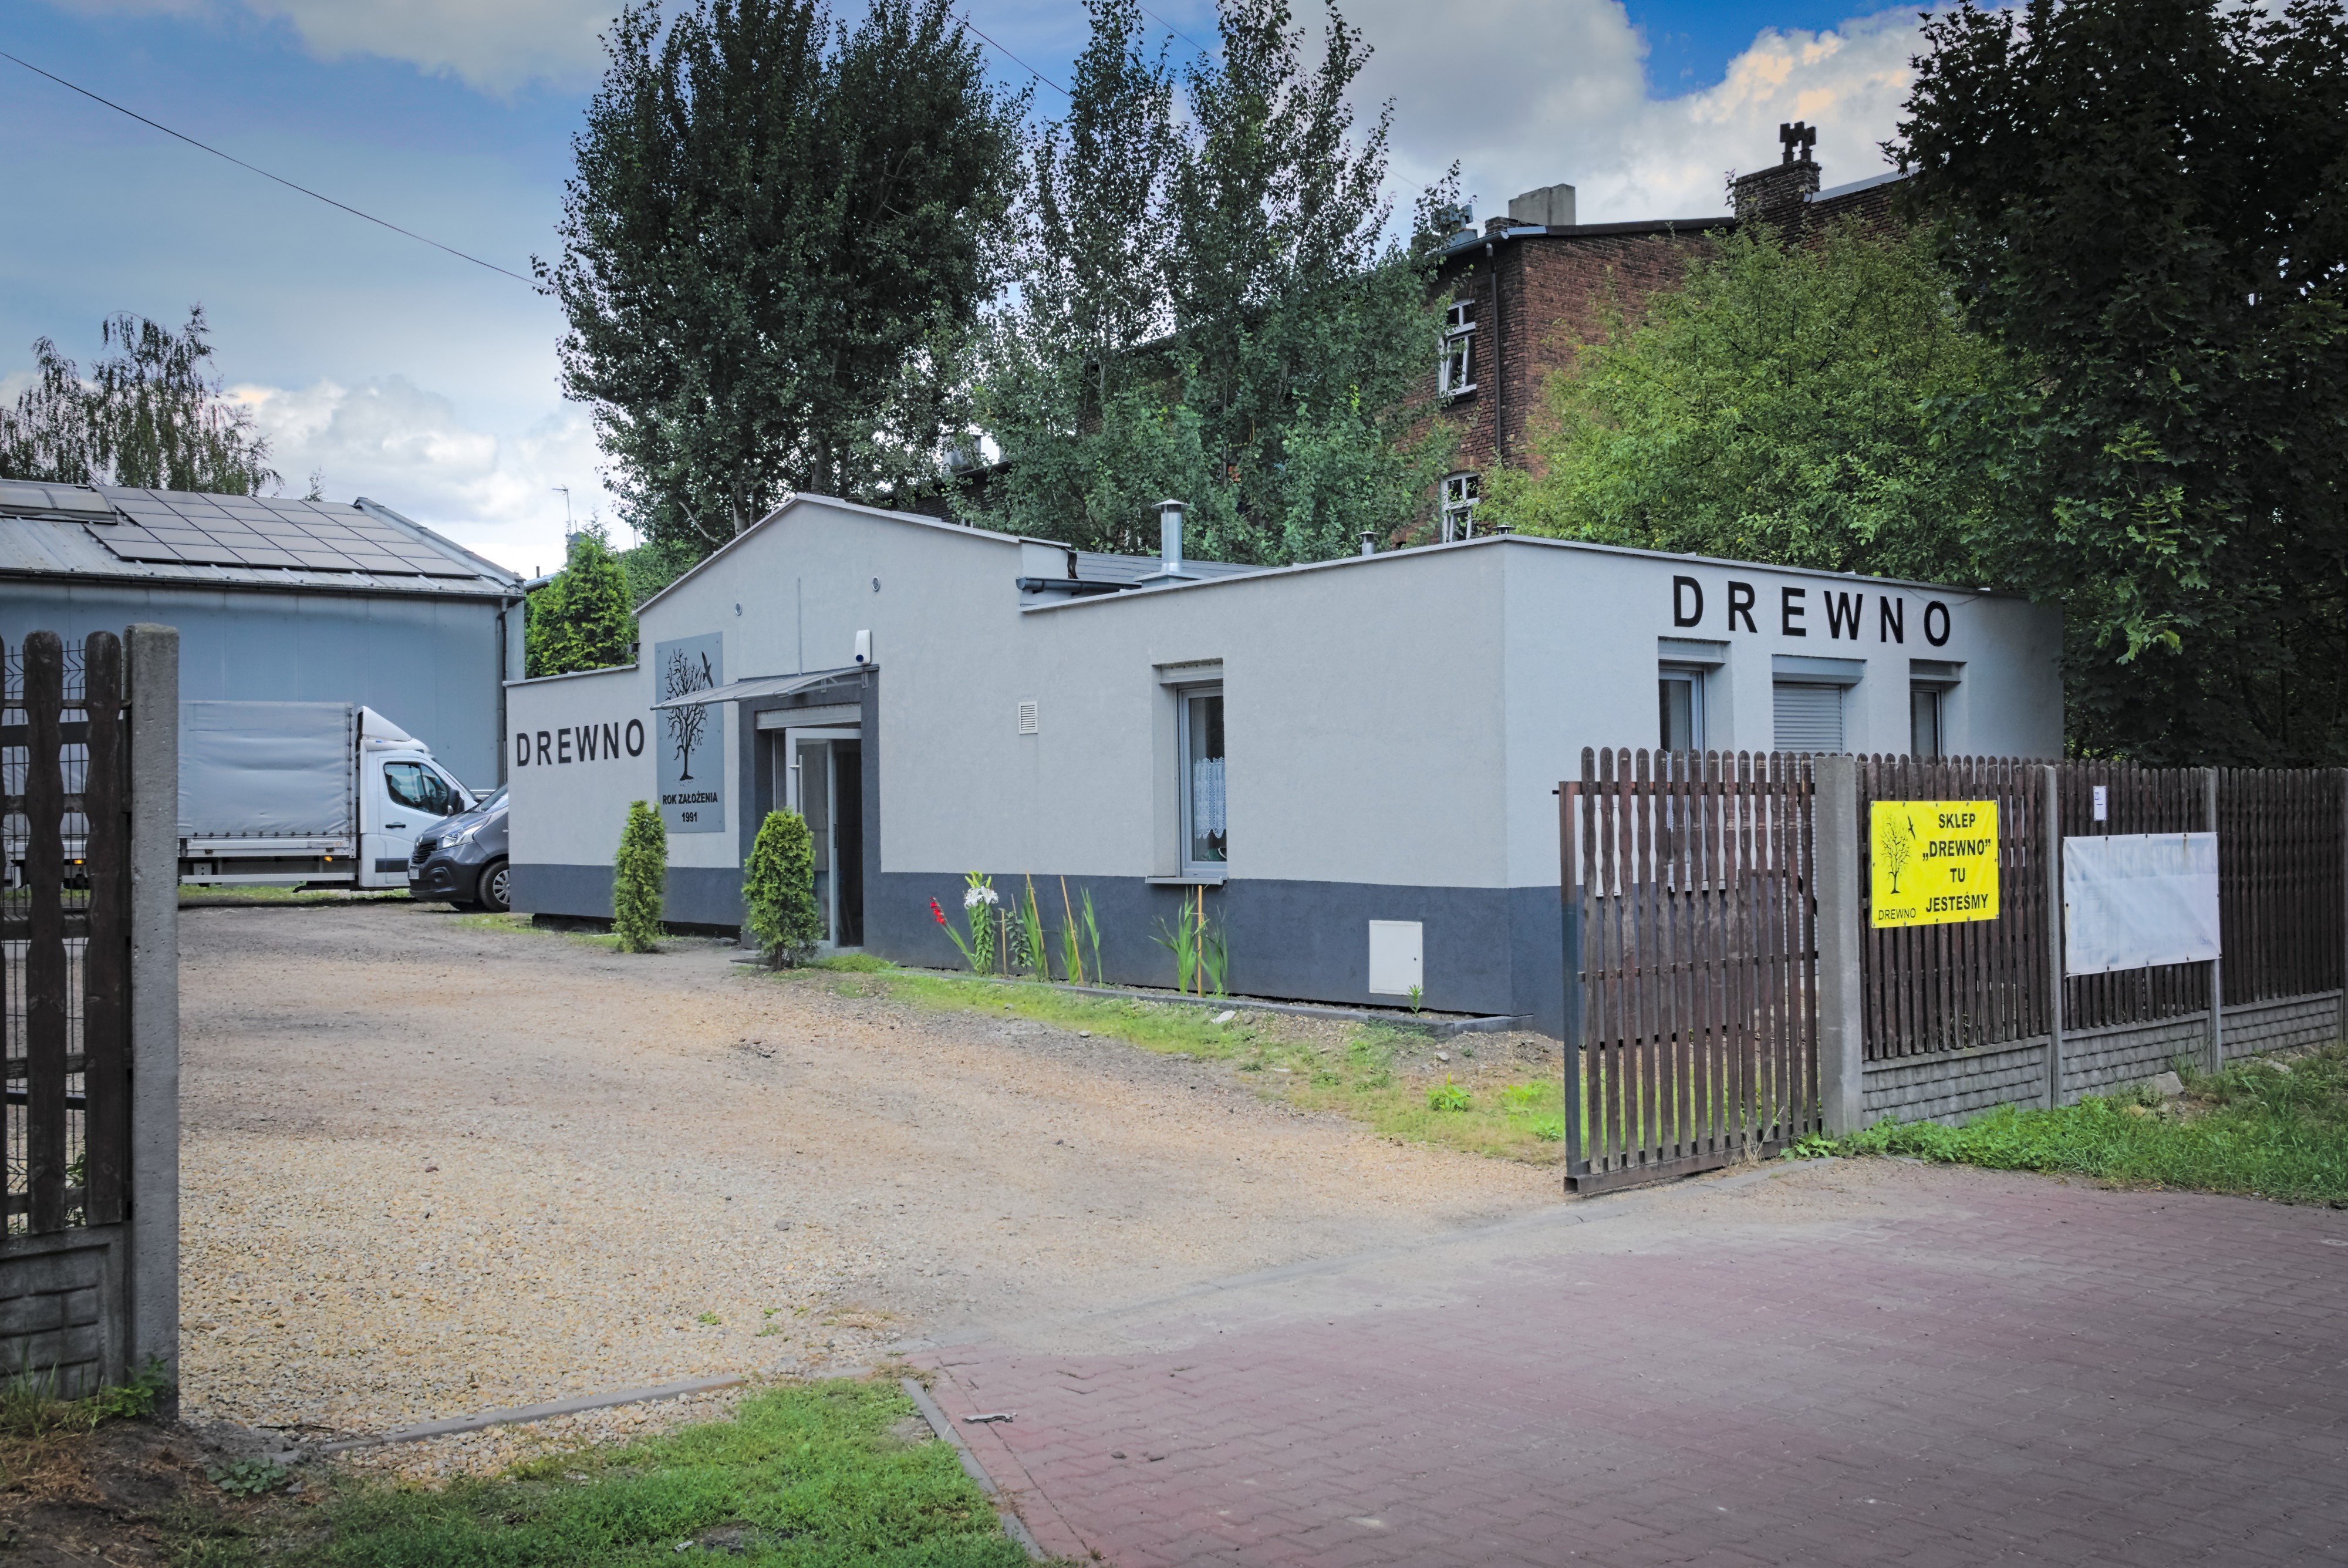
point(1933, 861)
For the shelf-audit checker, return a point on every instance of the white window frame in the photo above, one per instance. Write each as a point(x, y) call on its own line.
point(1694, 676)
point(1182, 782)
point(1461, 493)
point(1455, 371)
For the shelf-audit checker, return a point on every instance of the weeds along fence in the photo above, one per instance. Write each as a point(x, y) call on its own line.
point(65, 936)
point(2282, 861)
point(1693, 982)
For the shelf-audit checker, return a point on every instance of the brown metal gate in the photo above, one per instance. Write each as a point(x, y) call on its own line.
point(1691, 961)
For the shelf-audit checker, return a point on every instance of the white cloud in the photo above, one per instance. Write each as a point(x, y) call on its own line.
point(409, 448)
point(1525, 93)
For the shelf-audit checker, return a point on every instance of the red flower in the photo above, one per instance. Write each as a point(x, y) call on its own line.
point(936, 910)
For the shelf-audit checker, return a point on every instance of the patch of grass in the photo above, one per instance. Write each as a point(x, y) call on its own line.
point(248, 893)
point(808, 1475)
point(497, 922)
point(1520, 1121)
point(1450, 1096)
point(853, 964)
point(30, 1407)
point(2257, 1129)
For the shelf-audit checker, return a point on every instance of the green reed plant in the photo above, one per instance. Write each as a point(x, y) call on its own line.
point(1092, 938)
point(1072, 952)
point(1031, 931)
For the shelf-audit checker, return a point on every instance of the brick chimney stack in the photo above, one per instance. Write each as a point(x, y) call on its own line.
point(1776, 195)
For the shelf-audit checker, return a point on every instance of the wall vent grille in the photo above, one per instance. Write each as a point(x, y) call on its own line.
point(1028, 725)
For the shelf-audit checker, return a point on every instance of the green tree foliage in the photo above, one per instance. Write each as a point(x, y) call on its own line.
point(1213, 309)
point(779, 890)
point(1785, 405)
point(779, 232)
point(584, 619)
point(640, 880)
point(2148, 198)
point(149, 416)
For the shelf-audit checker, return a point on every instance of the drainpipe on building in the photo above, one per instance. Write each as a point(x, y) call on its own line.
point(1499, 377)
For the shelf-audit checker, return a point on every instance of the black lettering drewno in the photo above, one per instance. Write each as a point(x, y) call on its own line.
point(1687, 602)
point(562, 744)
point(587, 749)
point(1740, 603)
point(545, 748)
point(1892, 617)
point(1844, 611)
point(1931, 610)
point(522, 749)
point(1788, 611)
point(611, 740)
point(635, 737)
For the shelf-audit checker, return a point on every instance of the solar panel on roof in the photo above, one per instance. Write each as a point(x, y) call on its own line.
point(250, 530)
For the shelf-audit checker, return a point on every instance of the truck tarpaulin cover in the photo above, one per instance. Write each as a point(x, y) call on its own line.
point(2132, 901)
point(267, 769)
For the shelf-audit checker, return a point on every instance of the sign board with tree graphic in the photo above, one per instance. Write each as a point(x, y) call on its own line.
point(1932, 862)
point(692, 751)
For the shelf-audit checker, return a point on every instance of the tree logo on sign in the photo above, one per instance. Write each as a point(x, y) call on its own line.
point(1898, 847)
point(686, 726)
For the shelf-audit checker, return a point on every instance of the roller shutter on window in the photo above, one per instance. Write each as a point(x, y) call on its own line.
point(1809, 717)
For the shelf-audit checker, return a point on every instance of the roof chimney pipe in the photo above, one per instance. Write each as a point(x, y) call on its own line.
point(1369, 542)
point(1169, 537)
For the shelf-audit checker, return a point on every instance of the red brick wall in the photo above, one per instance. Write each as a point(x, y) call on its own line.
point(1556, 292)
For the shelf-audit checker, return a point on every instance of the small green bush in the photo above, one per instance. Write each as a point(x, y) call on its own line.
point(779, 890)
point(640, 880)
point(1449, 1096)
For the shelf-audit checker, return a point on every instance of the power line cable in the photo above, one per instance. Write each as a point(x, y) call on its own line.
point(1173, 29)
point(280, 179)
point(1017, 61)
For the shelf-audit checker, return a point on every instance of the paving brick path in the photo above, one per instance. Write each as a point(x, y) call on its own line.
point(1864, 1367)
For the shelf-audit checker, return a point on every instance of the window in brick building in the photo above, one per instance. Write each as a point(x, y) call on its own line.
point(1460, 492)
point(1456, 372)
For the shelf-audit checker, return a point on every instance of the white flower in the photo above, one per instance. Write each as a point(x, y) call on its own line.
point(977, 896)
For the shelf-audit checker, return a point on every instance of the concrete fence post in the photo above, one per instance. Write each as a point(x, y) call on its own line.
point(2051, 814)
point(2217, 965)
point(152, 660)
point(1842, 1046)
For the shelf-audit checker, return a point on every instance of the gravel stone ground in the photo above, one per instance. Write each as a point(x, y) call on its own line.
point(432, 1167)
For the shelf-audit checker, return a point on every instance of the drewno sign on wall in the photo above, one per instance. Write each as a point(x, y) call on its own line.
point(692, 769)
point(1932, 862)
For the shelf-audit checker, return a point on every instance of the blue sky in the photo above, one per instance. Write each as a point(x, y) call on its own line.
point(404, 374)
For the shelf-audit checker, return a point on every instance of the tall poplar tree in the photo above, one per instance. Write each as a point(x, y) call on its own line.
point(1216, 311)
point(778, 235)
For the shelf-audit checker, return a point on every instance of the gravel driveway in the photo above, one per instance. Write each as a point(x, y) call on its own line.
point(432, 1167)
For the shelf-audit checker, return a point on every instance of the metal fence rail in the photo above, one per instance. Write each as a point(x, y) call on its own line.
point(1691, 979)
point(65, 947)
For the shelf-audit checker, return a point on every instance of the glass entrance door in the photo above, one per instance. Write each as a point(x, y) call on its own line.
point(823, 780)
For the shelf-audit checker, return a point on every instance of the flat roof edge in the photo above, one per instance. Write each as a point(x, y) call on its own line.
point(1424, 551)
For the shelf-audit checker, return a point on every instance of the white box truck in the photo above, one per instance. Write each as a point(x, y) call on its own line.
point(320, 792)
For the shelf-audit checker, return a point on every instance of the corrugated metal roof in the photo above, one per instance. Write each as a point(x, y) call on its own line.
point(195, 539)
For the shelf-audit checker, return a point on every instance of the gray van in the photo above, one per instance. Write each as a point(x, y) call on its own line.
point(463, 859)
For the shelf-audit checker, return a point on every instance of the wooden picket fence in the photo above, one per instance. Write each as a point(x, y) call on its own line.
point(64, 985)
point(1987, 982)
point(1693, 979)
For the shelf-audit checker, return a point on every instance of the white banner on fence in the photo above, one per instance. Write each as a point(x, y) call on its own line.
point(2134, 900)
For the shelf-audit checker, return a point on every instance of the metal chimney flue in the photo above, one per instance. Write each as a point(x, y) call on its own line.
point(1169, 537)
point(1369, 542)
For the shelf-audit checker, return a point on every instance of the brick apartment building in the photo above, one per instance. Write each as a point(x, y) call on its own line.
point(1531, 286)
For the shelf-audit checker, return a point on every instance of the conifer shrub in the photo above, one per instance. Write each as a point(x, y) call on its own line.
point(779, 890)
point(639, 879)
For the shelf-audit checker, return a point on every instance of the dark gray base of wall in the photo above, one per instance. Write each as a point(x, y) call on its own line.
point(63, 1311)
point(696, 895)
point(1488, 950)
point(1954, 1087)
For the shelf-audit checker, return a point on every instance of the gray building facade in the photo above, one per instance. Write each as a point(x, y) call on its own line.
point(1351, 762)
point(277, 601)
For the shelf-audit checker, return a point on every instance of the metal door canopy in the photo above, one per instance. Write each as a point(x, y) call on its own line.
point(2135, 900)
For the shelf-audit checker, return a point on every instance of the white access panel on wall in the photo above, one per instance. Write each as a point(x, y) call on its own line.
point(2131, 901)
point(1398, 950)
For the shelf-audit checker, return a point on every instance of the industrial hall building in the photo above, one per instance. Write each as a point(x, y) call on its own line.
point(276, 599)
